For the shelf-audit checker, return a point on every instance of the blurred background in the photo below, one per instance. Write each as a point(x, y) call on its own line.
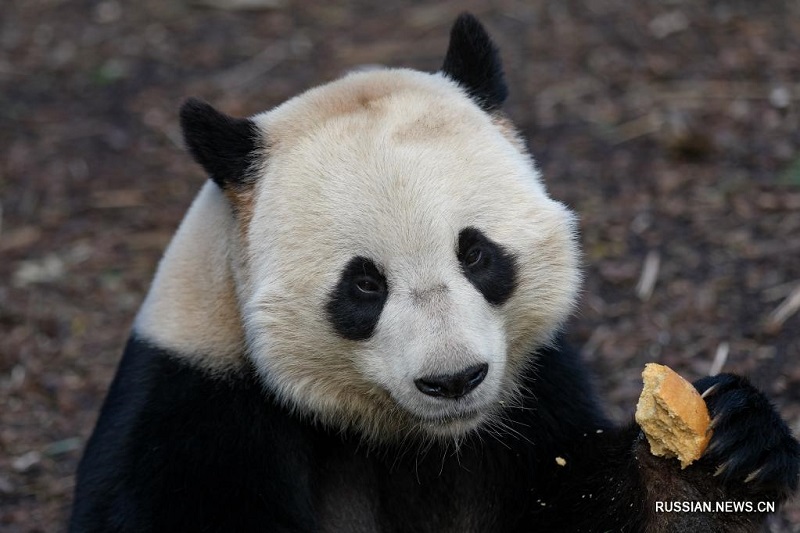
point(671, 126)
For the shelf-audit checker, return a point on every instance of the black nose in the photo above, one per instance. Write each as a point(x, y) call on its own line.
point(453, 385)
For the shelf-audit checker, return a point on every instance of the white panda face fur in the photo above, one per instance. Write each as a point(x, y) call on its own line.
point(380, 179)
point(397, 258)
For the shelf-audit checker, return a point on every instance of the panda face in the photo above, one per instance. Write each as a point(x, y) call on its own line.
point(437, 345)
point(400, 257)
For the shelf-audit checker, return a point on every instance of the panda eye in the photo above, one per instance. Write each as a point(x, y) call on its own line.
point(473, 257)
point(369, 285)
point(356, 302)
point(487, 265)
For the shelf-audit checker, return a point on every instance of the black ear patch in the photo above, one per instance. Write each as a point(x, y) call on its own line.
point(223, 145)
point(487, 265)
point(473, 61)
point(355, 304)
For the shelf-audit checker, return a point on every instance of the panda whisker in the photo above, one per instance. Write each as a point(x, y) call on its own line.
point(422, 454)
point(402, 449)
point(506, 425)
point(495, 432)
point(498, 436)
point(516, 433)
point(457, 443)
point(519, 407)
point(444, 458)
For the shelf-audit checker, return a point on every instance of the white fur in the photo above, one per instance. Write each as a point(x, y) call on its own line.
point(191, 307)
point(390, 165)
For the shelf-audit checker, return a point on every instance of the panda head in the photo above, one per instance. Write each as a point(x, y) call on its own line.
point(398, 260)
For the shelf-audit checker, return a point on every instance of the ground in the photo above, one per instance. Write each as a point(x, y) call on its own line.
point(671, 127)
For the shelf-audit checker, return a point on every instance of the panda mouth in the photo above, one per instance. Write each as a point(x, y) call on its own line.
point(447, 419)
point(450, 425)
point(450, 417)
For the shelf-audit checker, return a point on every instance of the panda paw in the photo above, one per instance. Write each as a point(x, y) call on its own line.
point(751, 445)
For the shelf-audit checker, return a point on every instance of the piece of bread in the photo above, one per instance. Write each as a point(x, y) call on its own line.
point(672, 415)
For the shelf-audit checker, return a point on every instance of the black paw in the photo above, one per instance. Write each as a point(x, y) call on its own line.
point(751, 444)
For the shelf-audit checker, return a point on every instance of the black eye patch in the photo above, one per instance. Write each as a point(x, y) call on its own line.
point(487, 265)
point(355, 303)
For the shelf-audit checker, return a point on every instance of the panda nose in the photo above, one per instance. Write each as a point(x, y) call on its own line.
point(453, 385)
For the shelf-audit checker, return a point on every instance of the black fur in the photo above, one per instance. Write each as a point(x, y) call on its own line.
point(353, 311)
point(473, 61)
point(494, 272)
point(176, 449)
point(224, 146)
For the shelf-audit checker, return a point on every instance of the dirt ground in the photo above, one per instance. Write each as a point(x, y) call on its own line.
point(671, 126)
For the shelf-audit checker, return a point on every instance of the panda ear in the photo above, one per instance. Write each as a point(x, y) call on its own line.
point(473, 61)
point(224, 146)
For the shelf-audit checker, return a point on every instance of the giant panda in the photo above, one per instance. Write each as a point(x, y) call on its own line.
point(356, 329)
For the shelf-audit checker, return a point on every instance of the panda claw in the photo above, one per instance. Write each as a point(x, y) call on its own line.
point(753, 475)
point(709, 391)
point(721, 469)
point(713, 448)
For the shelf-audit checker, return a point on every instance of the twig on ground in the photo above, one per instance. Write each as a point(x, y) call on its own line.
point(647, 281)
point(781, 313)
point(720, 358)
